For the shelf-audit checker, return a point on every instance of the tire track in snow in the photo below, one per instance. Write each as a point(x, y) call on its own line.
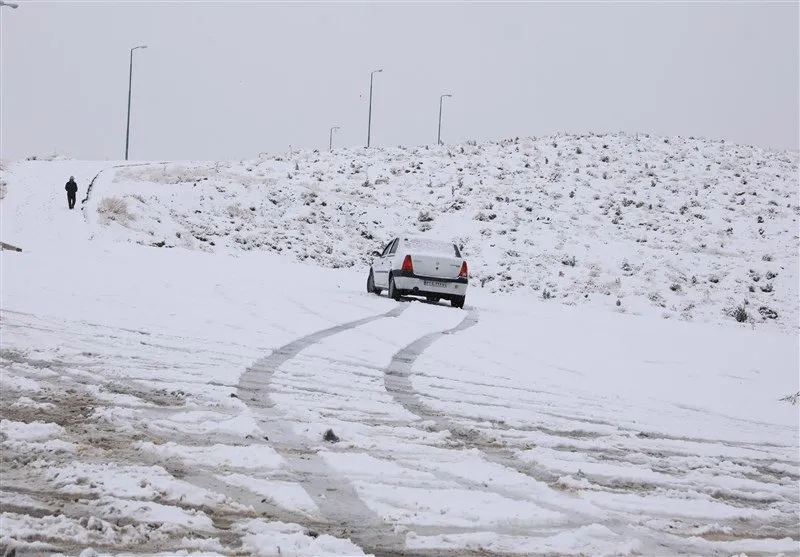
point(208, 477)
point(254, 383)
point(397, 379)
point(334, 495)
point(341, 512)
point(104, 438)
point(298, 450)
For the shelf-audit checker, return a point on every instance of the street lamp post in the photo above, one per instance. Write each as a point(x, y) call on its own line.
point(9, 4)
point(369, 120)
point(130, 83)
point(330, 142)
point(439, 136)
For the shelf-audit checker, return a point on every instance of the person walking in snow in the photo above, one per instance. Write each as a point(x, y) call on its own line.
point(72, 190)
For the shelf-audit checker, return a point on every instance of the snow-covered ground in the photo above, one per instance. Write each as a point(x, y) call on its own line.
point(161, 401)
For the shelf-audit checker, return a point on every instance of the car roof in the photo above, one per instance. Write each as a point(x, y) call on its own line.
point(424, 238)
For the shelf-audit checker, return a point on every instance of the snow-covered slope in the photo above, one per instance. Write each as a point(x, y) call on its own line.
point(683, 228)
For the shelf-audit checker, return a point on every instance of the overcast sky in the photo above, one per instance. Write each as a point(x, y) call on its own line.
point(228, 80)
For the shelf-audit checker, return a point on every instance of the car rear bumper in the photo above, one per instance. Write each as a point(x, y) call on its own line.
point(409, 283)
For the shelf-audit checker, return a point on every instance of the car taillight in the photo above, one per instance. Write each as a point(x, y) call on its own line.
point(464, 273)
point(407, 265)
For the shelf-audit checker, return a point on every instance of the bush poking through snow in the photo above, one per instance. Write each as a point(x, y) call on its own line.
point(569, 261)
point(740, 314)
point(767, 313)
point(116, 209)
point(424, 216)
point(546, 294)
point(791, 399)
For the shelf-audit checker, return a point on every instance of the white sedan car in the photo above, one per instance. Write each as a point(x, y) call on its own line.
point(414, 266)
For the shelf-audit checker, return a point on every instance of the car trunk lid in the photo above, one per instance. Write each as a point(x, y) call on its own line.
point(436, 265)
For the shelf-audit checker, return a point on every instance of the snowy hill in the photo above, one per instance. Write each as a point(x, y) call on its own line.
point(683, 228)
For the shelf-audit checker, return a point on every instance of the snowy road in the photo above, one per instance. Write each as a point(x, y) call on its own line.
point(162, 400)
point(403, 475)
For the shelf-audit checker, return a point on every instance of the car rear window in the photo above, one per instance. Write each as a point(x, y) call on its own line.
point(432, 246)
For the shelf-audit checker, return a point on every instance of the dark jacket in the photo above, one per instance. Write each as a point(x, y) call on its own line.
point(71, 187)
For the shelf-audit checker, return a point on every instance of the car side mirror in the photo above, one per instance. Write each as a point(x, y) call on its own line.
point(376, 254)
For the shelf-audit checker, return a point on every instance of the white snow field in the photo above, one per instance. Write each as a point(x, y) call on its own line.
point(175, 349)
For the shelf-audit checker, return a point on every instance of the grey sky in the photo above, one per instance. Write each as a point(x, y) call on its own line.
point(228, 80)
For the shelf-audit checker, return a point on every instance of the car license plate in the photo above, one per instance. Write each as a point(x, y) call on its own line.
point(434, 283)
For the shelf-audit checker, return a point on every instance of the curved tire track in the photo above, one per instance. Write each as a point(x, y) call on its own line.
point(254, 383)
point(342, 512)
point(334, 495)
point(397, 380)
point(336, 498)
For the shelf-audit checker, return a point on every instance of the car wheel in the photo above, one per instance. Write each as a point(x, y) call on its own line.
point(371, 288)
point(393, 293)
point(458, 301)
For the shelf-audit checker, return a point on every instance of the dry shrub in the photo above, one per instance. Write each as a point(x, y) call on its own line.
point(114, 209)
